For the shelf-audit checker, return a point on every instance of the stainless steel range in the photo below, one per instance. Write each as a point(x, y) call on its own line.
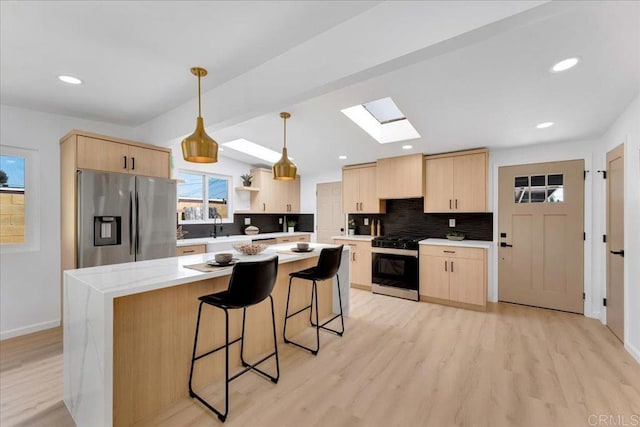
point(394, 269)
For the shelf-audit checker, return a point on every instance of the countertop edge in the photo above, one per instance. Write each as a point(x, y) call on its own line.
point(462, 243)
point(360, 238)
point(238, 237)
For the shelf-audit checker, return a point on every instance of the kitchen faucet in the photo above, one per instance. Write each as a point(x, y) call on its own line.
point(216, 215)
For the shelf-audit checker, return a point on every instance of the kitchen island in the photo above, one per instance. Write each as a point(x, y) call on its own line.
point(128, 330)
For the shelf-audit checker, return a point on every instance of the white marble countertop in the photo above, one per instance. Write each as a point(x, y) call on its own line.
point(238, 238)
point(359, 237)
point(135, 277)
point(464, 243)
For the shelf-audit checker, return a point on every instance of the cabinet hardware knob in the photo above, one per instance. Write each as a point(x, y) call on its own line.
point(125, 162)
point(620, 252)
point(452, 266)
point(445, 266)
point(133, 163)
point(456, 203)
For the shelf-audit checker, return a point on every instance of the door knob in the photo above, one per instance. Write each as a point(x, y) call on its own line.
point(620, 252)
point(505, 245)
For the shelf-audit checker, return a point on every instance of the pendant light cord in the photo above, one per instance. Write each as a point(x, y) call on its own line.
point(285, 132)
point(199, 104)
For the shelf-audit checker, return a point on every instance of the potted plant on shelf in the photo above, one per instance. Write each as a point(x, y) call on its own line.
point(291, 224)
point(352, 227)
point(246, 180)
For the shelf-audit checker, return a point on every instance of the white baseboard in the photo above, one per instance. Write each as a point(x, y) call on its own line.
point(633, 351)
point(29, 329)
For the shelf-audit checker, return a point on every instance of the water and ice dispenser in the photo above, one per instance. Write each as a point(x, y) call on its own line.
point(107, 230)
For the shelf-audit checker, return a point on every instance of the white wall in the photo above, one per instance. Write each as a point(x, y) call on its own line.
point(30, 281)
point(627, 130)
point(308, 200)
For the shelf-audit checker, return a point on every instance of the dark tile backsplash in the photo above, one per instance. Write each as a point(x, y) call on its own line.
point(406, 216)
point(267, 223)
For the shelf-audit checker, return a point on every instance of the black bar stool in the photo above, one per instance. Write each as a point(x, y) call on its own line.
point(327, 268)
point(250, 283)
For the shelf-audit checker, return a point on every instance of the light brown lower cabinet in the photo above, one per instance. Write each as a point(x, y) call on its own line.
point(360, 262)
point(191, 250)
point(303, 238)
point(454, 275)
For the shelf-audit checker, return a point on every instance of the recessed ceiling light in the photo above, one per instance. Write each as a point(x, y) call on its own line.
point(544, 125)
point(564, 65)
point(70, 79)
point(407, 147)
point(342, 157)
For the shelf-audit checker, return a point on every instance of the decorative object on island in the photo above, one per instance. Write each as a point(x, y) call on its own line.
point(284, 169)
point(352, 227)
point(379, 228)
point(180, 233)
point(248, 248)
point(199, 147)
point(291, 224)
point(251, 230)
point(455, 235)
point(246, 180)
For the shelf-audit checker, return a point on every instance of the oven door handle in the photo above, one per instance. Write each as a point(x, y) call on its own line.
point(399, 252)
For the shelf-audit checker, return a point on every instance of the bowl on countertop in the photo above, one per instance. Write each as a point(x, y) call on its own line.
point(248, 248)
point(223, 257)
point(251, 230)
point(302, 246)
point(455, 236)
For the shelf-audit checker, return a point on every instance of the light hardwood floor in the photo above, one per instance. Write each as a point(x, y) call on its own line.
point(400, 363)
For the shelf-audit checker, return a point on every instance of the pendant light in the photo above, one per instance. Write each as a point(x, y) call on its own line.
point(285, 169)
point(199, 147)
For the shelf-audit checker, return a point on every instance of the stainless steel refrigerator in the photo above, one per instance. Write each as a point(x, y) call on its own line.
point(124, 218)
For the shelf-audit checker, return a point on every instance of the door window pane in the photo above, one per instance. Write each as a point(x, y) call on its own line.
point(12, 205)
point(521, 191)
point(544, 188)
point(555, 188)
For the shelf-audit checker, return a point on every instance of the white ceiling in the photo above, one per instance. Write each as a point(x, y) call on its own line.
point(467, 74)
point(134, 56)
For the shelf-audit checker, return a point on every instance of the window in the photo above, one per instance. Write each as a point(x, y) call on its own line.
point(19, 200)
point(539, 189)
point(203, 198)
point(11, 199)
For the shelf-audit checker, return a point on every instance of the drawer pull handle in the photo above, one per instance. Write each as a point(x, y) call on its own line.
point(188, 252)
point(452, 266)
point(445, 266)
point(449, 252)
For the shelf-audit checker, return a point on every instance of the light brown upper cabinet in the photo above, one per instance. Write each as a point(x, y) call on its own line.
point(274, 196)
point(456, 182)
point(103, 153)
point(359, 194)
point(400, 177)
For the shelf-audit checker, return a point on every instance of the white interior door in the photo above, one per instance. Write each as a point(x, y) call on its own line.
point(329, 208)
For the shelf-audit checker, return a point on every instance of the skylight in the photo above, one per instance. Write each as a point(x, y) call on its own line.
point(253, 149)
point(384, 110)
point(383, 120)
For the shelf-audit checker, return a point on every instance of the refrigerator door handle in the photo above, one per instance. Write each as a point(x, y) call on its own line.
point(130, 223)
point(80, 260)
point(137, 223)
